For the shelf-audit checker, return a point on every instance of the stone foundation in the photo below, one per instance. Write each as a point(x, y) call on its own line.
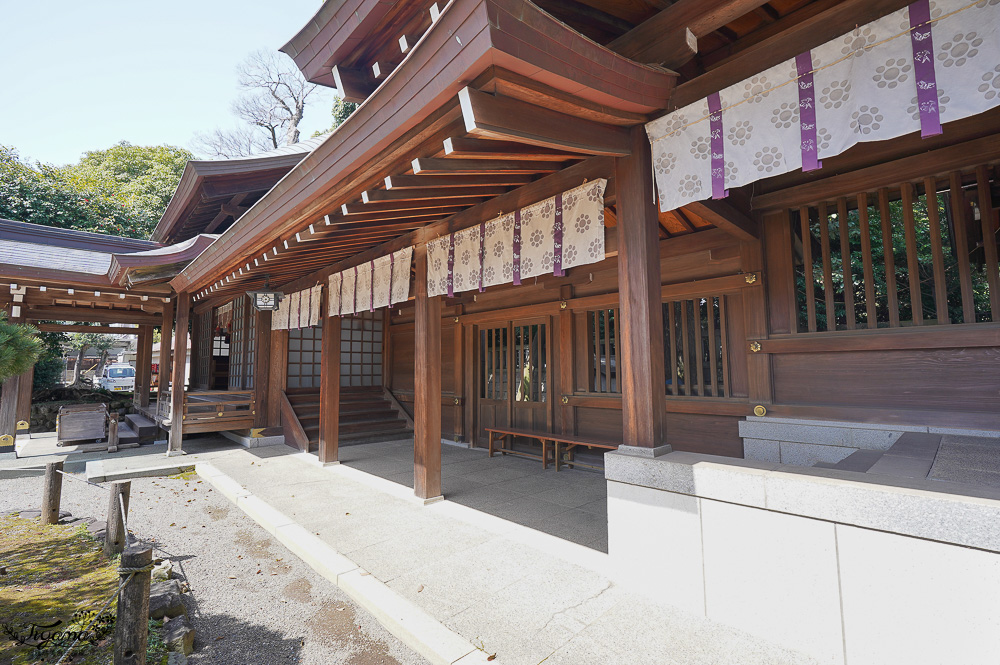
point(806, 442)
point(824, 562)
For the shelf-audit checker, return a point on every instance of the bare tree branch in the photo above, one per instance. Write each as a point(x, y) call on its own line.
point(272, 105)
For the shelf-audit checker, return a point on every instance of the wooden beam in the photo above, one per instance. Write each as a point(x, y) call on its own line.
point(329, 387)
point(234, 210)
point(726, 217)
point(355, 85)
point(427, 382)
point(432, 165)
point(91, 314)
point(71, 328)
point(661, 38)
point(177, 374)
point(506, 118)
point(466, 148)
point(642, 369)
point(395, 182)
point(432, 193)
point(782, 45)
point(348, 210)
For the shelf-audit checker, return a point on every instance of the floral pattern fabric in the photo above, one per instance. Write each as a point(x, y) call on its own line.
point(864, 88)
point(372, 285)
point(582, 243)
point(298, 310)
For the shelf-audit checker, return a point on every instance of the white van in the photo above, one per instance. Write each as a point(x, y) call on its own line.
point(118, 377)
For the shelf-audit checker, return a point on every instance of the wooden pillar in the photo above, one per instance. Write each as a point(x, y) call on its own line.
point(52, 493)
point(755, 321)
point(643, 382)
point(15, 395)
point(278, 376)
point(567, 423)
point(262, 370)
point(166, 334)
point(329, 390)
point(427, 385)
point(177, 374)
point(143, 362)
point(458, 367)
point(132, 618)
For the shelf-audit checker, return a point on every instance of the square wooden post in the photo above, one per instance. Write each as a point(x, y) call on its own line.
point(15, 397)
point(427, 385)
point(329, 390)
point(177, 374)
point(278, 376)
point(143, 369)
point(262, 370)
point(643, 377)
point(166, 335)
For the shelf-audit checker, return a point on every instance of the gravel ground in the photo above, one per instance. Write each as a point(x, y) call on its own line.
point(251, 600)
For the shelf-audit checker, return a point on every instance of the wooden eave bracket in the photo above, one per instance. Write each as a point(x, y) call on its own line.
point(505, 118)
point(727, 218)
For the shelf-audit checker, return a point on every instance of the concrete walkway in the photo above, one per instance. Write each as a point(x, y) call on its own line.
point(468, 577)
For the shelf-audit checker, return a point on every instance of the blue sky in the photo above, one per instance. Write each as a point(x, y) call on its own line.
point(80, 76)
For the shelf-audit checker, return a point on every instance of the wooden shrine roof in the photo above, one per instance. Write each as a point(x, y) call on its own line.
point(414, 135)
point(213, 193)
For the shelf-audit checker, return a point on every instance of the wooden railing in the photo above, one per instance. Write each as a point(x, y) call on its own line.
point(210, 410)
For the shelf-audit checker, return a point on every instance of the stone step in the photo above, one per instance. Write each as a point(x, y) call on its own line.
point(126, 434)
point(861, 461)
point(141, 425)
point(912, 456)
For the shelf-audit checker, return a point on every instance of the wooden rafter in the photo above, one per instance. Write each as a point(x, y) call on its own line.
point(394, 182)
point(348, 210)
point(727, 218)
point(505, 118)
point(434, 165)
point(462, 147)
point(431, 193)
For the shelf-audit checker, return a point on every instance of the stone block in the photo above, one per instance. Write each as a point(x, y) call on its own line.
point(951, 518)
point(660, 472)
point(724, 482)
point(916, 602)
point(774, 576)
point(777, 430)
point(165, 600)
point(807, 454)
point(874, 439)
point(178, 635)
point(263, 513)
point(761, 450)
point(654, 543)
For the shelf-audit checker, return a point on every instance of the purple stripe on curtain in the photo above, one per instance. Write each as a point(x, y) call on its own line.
point(718, 147)
point(517, 247)
point(807, 112)
point(482, 252)
point(371, 294)
point(557, 239)
point(923, 68)
point(451, 266)
point(392, 266)
point(354, 298)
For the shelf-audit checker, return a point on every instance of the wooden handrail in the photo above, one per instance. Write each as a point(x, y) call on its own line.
point(398, 407)
point(292, 426)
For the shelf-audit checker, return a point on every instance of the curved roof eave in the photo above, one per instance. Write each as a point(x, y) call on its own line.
point(468, 37)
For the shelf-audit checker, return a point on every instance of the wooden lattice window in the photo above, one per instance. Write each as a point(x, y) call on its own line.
point(695, 347)
point(493, 363)
point(361, 349)
point(243, 344)
point(908, 255)
point(304, 357)
point(603, 369)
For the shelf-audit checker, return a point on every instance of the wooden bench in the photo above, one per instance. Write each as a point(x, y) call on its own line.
point(566, 441)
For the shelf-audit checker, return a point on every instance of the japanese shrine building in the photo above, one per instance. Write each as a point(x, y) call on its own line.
point(751, 245)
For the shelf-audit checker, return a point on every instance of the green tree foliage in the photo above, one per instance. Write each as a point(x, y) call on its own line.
point(140, 178)
point(924, 267)
point(50, 365)
point(20, 347)
point(120, 191)
point(341, 111)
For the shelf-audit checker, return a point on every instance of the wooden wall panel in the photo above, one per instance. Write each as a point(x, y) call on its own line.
point(600, 423)
point(402, 359)
point(961, 380)
point(448, 358)
point(710, 435)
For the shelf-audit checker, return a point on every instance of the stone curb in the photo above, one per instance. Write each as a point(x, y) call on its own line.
point(97, 474)
point(403, 618)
